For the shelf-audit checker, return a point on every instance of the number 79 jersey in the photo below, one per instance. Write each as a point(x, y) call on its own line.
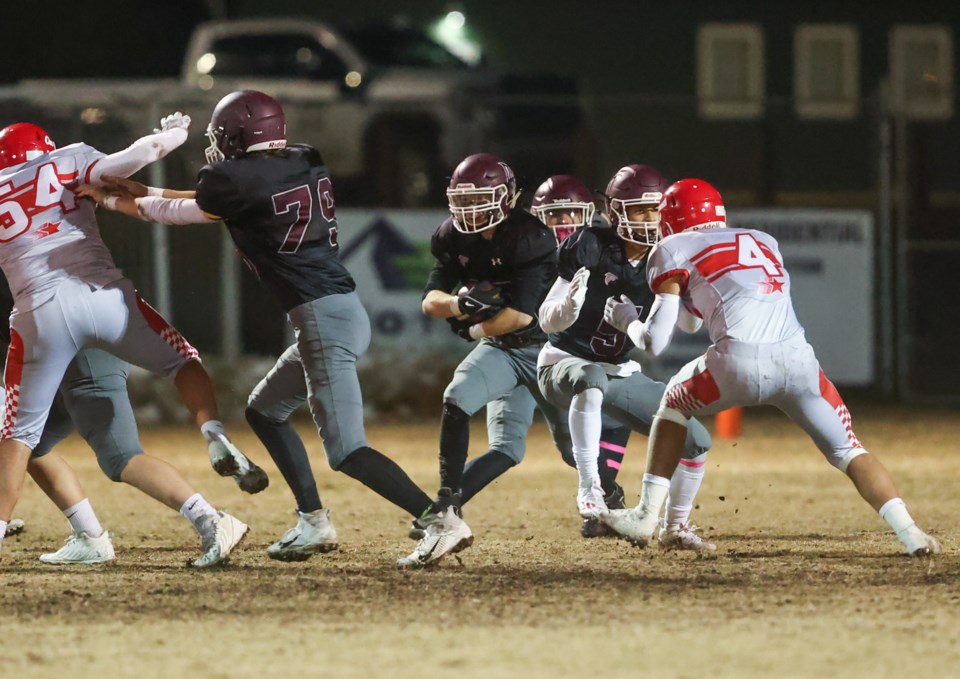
point(733, 278)
point(281, 214)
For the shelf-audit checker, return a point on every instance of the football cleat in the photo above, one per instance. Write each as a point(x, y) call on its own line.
point(445, 498)
point(594, 527)
point(15, 527)
point(218, 536)
point(633, 525)
point(81, 548)
point(917, 543)
point(683, 537)
point(446, 533)
point(314, 533)
point(227, 460)
point(590, 502)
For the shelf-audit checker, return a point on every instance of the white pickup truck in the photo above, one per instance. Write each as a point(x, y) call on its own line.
point(391, 110)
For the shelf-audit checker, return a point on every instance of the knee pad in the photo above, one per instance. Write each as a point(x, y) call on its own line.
point(673, 415)
point(592, 377)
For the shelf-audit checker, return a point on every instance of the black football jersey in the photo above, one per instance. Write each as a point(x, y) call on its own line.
point(600, 250)
point(280, 211)
point(520, 259)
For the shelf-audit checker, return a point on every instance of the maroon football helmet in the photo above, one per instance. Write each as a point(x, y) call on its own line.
point(245, 121)
point(635, 185)
point(21, 142)
point(564, 204)
point(691, 205)
point(481, 193)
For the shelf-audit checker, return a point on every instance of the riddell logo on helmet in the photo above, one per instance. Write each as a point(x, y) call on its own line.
point(277, 144)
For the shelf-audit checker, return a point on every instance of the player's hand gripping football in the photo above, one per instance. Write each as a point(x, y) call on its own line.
point(480, 301)
point(174, 121)
point(620, 313)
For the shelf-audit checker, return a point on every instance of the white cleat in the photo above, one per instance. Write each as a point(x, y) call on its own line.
point(446, 533)
point(314, 533)
point(227, 460)
point(633, 525)
point(15, 527)
point(590, 502)
point(218, 536)
point(918, 543)
point(81, 548)
point(683, 537)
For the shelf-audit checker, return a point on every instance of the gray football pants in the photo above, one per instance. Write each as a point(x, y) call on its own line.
point(633, 400)
point(505, 380)
point(93, 400)
point(321, 369)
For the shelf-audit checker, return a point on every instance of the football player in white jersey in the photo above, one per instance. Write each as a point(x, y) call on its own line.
point(735, 280)
point(69, 295)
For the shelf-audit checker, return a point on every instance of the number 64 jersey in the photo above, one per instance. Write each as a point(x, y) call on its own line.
point(280, 211)
point(732, 278)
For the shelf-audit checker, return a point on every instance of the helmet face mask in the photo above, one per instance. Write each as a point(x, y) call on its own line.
point(23, 142)
point(212, 153)
point(481, 193)
point(633, 199)
point(563, 204)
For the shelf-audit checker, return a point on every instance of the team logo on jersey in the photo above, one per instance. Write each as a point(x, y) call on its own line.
point(463, 260)
point(771, 286)
point(47, 229)
point(496, 261)
point(609, 278)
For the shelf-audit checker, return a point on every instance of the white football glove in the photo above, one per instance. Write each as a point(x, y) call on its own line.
point(577, 292)
point(620, 313)
point(174, 121)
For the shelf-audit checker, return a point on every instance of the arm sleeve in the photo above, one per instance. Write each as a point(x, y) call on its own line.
point(172, 210)
point(556, 312)
point(139, 154)
point(664, 264)
point(217, 194)
point(445, 273)
point(656, 333)
point(688, 321)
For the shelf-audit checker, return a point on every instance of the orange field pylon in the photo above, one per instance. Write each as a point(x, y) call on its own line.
point(728, 423)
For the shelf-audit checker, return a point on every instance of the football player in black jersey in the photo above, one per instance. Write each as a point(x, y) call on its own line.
point(277, 202)
point(585, 367)
point(494, 264)
point(565, 205)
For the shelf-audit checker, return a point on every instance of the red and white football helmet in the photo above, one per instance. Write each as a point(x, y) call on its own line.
point(564, 204)
point(21, 142)
point(481, 193)
point(635, 185)
point(244, 121)
point(691, 205)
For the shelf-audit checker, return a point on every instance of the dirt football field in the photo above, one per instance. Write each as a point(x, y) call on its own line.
point(807, 580)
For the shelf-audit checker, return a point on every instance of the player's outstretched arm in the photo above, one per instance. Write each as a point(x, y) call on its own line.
point(149, 208)
point(171, 135)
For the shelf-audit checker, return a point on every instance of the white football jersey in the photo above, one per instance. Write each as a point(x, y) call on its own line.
point(46, 234)
point(733, 278)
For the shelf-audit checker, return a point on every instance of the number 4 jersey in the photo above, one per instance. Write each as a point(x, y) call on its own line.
point(46, 234)
point(732, 278)
point(280, 211)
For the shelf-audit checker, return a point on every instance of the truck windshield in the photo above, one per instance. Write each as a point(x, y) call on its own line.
point(385, 45)
point(276, 55)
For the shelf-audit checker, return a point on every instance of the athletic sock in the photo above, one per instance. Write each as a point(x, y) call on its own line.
point(654, 492)
point(288, 453)
point(3, 531)
point(586, 423)
point(83, 519)
point(454, 442)
point(482, 471)
point(612, 449)
point(895, 513)
point(195, 508)
point(212, 430)
point(385, 477)
point(684, 486)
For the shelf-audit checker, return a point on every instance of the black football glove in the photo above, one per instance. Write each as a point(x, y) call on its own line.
point(481, 299)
